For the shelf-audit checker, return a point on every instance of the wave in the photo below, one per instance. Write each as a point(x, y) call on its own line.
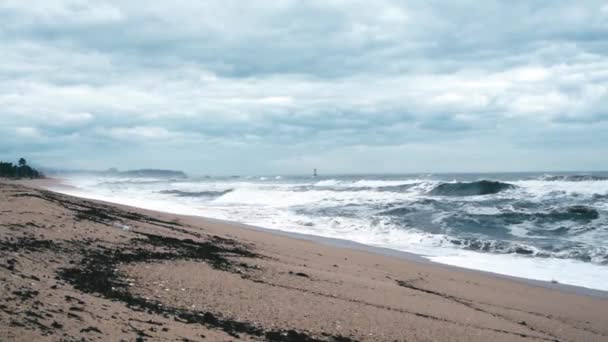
point(496, 222)
point(573, 178)
point(575, 212)
point(396, 188)
point(598, 197)
point(208, 194)
point(483, 187)
point(336, 188)
point(401, 211)
point(542, 220)
point(582, 253)
point(328, 183)
point(136, 181)
point(495, 246)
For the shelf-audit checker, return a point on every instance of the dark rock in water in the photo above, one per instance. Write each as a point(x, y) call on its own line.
point(483, 187)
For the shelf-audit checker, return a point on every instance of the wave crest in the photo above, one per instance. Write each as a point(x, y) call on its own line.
point(208, 194)
point(483, 187)
point(583, 253)
point(573, 178)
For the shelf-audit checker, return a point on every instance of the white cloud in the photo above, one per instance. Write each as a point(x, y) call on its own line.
point(139, 132)
point(28, 132)
point(539, 103)
point(277, 100)
point(74, 118)
point(461, 101)
point(529, 74)
point(65, 11)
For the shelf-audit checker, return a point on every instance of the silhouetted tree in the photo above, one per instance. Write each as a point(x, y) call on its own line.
point(9, 170)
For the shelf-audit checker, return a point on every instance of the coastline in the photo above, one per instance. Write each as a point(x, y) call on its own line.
point(54, 184)
point(393, 253)
point(194, 276)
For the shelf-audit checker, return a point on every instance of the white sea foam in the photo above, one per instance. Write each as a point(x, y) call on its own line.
point(565, 271)
point(539, 188)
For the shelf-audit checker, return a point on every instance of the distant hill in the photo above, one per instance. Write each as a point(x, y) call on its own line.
point(157, 173)
point(154, 173)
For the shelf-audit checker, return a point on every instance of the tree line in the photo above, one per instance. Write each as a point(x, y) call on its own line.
point(21, 170)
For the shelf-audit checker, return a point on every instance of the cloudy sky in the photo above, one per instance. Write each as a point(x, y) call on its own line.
point(282, 86)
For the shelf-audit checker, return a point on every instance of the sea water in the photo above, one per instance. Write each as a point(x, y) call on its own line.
point(551, 227)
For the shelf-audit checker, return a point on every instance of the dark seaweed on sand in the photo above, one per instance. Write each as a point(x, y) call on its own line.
point(96, 272)
point(93, 268)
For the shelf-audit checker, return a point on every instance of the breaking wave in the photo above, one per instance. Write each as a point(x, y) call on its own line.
point(209, 194)
point(337, 187)
point(573, 178)
point(581, 253)
point(483, 187)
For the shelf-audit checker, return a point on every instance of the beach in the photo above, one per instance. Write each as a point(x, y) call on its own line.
point(527, 225)
point(73, 269)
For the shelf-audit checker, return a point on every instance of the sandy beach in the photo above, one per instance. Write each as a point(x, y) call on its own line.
point(75, 269)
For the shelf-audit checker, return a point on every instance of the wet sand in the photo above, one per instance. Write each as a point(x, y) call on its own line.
point(73, 269)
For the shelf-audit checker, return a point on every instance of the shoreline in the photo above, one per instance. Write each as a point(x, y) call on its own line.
point(53, 184)
point(74, 268)
point(394, 253)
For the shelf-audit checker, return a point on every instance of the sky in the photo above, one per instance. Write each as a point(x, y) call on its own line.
point(284, 86)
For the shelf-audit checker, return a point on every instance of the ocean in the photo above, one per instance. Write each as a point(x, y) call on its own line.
point(544, 226)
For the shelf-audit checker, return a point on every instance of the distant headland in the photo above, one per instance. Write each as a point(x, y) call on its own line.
point(153, 173)
point(113, 172)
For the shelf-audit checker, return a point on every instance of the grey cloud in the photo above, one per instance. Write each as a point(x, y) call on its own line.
point(320, 38)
